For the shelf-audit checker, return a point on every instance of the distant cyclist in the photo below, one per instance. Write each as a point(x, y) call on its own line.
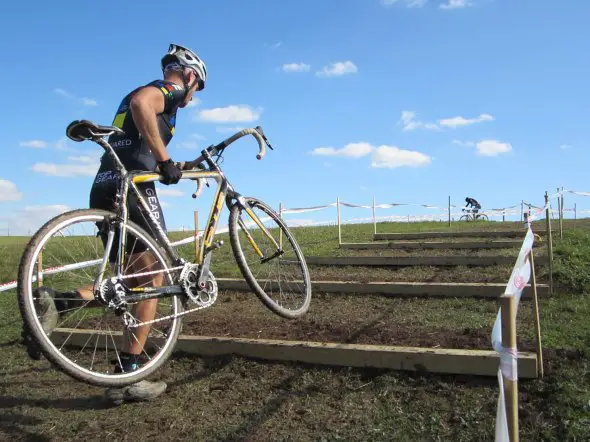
point(472, 202)
point(147, 115)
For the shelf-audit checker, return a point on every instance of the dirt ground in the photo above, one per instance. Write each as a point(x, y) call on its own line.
point(360, 319)
point(237, 399)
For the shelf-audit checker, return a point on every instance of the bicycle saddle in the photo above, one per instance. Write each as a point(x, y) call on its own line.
point(80, 130)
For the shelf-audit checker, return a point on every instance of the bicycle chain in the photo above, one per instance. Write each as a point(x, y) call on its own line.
point(177, 315)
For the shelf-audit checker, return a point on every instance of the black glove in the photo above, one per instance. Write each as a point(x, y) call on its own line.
point(170, 171)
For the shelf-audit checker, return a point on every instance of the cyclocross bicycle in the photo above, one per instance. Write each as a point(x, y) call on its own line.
point(121, 266)
point(469, 216)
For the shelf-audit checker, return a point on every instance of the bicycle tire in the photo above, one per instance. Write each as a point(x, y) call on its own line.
point(465, 218)
point(245, 269)
point(483, 217)
point(27, 309)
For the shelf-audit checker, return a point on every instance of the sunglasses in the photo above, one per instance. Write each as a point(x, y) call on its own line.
point(200, 83)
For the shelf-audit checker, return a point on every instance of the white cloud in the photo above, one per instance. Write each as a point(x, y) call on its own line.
point(392, 157)
point(491, 148)
point(53, 209)
point(198, 136)
point(169, 192)
point(230, 114)
point(464, 143)
point(30, 218)
point(63, 93)
point(191, 145)
point(296, 67)
point(89, 102)
point(85, 101)
point(338, 69)
point(274, 45)
point(455, 4)
point(382, 156)
point(35, 144)
point(194, 102)
point(227, 130)
point(565, 146)
point(408, 3)
point(459, 121)
point(299, 222)
point(61, 144)
point(83, 159)
point(65, 170)
point(165, 204)
point(409, 122)
point(9, 191)
point(351, 150)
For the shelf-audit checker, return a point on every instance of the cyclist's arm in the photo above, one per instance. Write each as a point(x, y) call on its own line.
point(146, 104)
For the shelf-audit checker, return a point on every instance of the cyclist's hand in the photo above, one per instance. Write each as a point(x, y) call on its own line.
point(170, 172)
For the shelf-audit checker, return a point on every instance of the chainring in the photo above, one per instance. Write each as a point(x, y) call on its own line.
point(203, 296)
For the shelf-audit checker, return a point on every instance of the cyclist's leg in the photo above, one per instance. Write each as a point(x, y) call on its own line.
point(141, 261)
point(137, 259)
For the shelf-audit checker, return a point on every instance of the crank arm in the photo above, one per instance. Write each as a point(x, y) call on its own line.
point(204, 270)
point(153, 293)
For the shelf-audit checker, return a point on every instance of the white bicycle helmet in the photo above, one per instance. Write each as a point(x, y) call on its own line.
point(185, 57)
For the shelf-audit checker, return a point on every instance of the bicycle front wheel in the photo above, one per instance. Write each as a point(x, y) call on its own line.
point(83, 337)
point(465, 218)
point(270, 259)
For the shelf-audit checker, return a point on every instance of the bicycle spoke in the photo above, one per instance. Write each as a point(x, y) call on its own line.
point(81, 350)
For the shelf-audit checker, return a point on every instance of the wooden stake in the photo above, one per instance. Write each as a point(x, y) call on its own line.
point(521, 210)
point(280, 231)
point(549, 242)
point(40, 269)
point(374, 218)
point(339, 228)
point(197, 257)
point(508, 304)
point(537, 316)
point(560, 207)
point(449, 211)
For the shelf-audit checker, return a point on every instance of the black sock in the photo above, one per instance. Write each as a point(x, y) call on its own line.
point(129, 362)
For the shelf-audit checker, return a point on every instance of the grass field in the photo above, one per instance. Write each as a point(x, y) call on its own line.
point(233, 398)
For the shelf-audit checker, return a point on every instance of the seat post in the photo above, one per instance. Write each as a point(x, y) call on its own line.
point(111, 152)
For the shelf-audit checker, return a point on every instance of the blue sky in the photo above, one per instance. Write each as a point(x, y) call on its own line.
point(407, 101)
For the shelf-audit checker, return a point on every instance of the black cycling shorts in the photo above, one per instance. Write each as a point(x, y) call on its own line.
point(102, 196)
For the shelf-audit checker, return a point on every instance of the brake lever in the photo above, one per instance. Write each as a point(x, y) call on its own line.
point(261, 132)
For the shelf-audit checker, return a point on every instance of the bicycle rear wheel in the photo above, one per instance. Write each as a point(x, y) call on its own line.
point(84, 337)
point(280, 277)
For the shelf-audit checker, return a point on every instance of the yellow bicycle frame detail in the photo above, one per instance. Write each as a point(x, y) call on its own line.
point(216, 209)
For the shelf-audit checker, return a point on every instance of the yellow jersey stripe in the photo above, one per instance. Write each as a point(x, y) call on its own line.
point(119, 120)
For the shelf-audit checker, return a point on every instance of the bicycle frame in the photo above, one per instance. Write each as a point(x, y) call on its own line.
point(129, 182)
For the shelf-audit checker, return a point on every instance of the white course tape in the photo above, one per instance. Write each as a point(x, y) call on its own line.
point(307, 209)
point(81, 265)
point(579, 193)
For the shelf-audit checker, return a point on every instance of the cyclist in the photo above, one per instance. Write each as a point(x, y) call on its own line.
point(147, 115)
point(471, 202)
